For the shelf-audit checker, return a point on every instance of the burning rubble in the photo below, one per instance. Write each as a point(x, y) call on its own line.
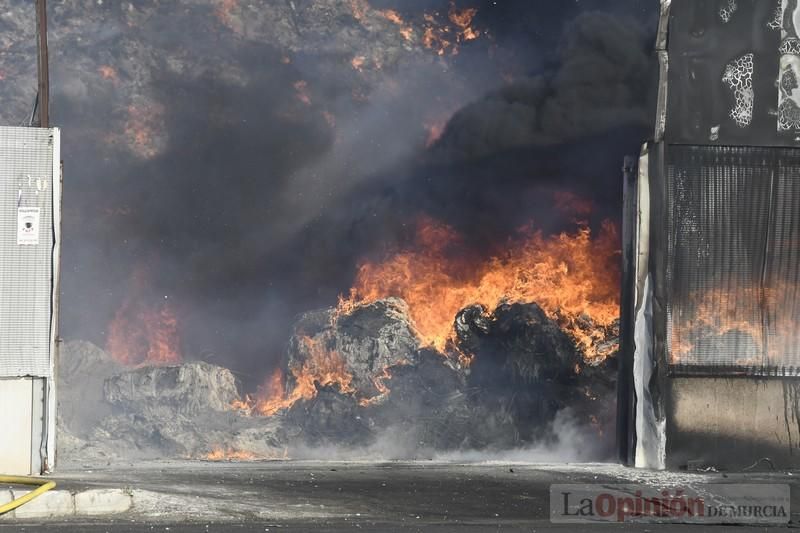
point(495, 376)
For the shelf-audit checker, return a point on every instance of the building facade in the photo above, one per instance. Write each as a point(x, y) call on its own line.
point(711, 304)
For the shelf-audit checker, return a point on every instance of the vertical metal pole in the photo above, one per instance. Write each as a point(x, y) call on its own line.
point(43, 70)
point(625, 394)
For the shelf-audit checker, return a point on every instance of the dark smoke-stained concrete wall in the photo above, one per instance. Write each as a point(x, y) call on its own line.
point(733, 423)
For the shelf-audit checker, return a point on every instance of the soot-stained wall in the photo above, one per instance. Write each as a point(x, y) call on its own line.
point(720, 392)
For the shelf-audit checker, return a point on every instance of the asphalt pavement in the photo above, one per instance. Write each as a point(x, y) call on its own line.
point(192, 496)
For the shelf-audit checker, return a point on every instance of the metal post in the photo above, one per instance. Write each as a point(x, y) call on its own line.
point(625, 394)
point(42, 64)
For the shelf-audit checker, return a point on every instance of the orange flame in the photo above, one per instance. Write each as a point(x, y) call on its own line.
point(716, 312)
point(407, 32)
point(107, 72)
point(220, 453)
point(379, 382)
point(444, 38)
point(392, 16)
point(141, 333)
point(322, 366)
point(572, 276)
point(439, 33)
point(463, 20)
point(142, 129)
point(358, 63)
point(229, 454)
point(434, 40)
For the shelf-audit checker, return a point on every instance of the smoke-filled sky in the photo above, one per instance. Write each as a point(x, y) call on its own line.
point(245, 155)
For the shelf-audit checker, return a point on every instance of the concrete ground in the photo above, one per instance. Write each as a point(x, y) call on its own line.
point(184, 496)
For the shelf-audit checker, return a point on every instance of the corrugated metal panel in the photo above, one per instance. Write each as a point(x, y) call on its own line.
point(26, 270)
point(734, 260)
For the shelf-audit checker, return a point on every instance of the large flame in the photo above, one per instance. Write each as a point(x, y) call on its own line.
point(572, 276)
point(322, 366)
point(142, 332)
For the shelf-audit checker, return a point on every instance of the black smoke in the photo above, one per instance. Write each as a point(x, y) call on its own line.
point(257, 207)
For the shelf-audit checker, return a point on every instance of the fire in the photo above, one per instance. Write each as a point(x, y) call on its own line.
point(107, 72)
point(220, 453)
point(358, 63)
point(392, 16)
point(301, 91)
point(323, 366)
point(142, 129)
point(433, 40)
point(380, 385)
point(407, 32)
point(229, 454)
point(439, 33)
point(572, 276)
point(142, 333)
point(714, 313)
point(462, 18)
point(445, 37)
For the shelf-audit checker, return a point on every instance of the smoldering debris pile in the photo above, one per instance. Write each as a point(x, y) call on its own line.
point(351, 379)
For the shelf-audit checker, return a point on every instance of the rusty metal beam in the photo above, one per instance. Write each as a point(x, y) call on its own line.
point(42, 64)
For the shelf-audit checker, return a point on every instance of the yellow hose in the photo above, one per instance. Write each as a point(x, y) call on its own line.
point(43, 487)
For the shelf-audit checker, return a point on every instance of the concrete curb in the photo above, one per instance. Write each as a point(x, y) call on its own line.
point(63, 503)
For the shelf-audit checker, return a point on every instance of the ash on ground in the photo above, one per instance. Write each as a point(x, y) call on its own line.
point(512, 380)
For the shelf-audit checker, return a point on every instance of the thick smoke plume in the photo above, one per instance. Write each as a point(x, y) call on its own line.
point(248, 154)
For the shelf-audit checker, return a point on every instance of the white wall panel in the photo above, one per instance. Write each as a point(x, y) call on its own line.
point(26, 269)
point(16, 428)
